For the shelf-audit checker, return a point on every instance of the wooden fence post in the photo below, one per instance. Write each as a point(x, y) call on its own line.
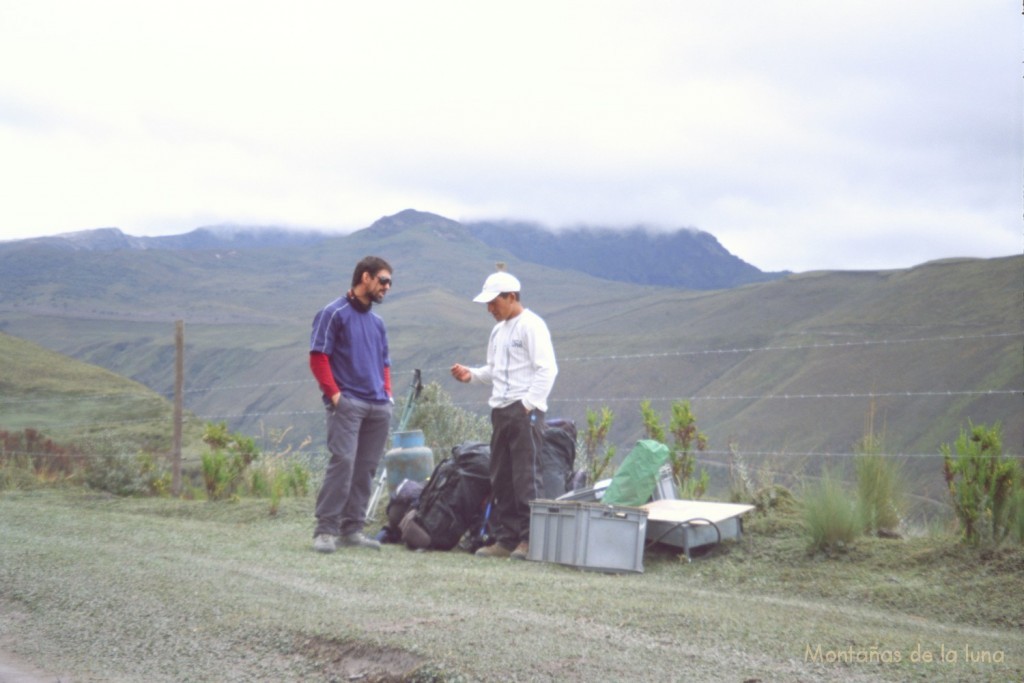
point(179, 391)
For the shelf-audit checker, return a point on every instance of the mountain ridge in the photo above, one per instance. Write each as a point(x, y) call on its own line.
point(206, 237)
point(683, 258)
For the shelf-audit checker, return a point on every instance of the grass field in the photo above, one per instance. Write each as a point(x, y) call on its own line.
point(95, 588)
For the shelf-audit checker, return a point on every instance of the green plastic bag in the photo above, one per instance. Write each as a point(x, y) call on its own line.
point(637, 476)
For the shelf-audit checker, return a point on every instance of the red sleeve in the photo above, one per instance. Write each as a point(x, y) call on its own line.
point(387, 380)
point(320, 365)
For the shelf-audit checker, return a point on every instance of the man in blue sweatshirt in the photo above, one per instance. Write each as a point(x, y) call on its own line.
point(348, 356)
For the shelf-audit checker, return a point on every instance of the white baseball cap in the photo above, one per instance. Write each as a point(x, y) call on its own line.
point(495, 284)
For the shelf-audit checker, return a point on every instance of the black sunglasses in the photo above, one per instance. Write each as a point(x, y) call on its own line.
point(384, 280)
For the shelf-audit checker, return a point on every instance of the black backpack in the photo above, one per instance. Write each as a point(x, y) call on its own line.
point(557, 457)
point(453, 500)
point(406, 498)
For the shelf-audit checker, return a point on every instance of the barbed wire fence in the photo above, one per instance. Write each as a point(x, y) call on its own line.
point(712, 458)
point(192, 392)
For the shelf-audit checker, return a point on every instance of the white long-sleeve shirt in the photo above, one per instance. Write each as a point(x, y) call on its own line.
point(520, 362)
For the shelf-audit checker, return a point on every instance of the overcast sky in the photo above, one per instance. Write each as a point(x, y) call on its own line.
point(804, 135)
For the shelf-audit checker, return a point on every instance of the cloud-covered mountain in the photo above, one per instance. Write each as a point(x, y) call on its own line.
point(685, 258)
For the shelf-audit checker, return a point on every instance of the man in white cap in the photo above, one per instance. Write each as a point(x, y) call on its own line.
point(521, 369)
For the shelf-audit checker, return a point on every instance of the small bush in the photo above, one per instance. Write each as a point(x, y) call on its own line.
point(773, 498)
point(226, 465)
point(831, 517)
point(984, 486)
point(277, 478)
point(17, 474)
point(217, 475)
point(686, 440)
point(128, 475)
point(597, 452)
point(1015, 518)
point(443, 423)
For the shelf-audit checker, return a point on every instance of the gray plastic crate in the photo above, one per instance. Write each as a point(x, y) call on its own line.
point(606, 538)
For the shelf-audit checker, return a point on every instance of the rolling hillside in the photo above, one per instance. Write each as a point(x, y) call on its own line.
point(80, 405)
point(784, 371)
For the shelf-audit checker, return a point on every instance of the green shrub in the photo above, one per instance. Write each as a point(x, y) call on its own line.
point(597, 452)
point(1015, 523)
point(831, 517)
point(983, 485)
point(216, 474)
point(653, 428)
point(1015, 519)
point(128, 475)
point(17, 473)
point(686, 439)
point(278, 478)
point(774, 498)
point(225, 466)
point(444, 425)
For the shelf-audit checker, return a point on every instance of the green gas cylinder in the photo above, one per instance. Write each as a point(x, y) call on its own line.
point(408, 458)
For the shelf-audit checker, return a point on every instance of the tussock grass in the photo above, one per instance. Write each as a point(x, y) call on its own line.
point(833, 519)
point(881, 492)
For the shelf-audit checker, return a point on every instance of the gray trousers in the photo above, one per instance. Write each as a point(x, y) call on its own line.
point(357, 432)
point(516, 442)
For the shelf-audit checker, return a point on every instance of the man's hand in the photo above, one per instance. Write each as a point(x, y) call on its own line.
point(335, 399)
point(461, 373)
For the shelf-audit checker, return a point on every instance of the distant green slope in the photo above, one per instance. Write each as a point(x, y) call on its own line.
point(77, 403)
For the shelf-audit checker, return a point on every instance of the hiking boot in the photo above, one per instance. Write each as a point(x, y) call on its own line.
point(356, 539)
point(325, 543)
point(521, 552)
point(495, 550)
